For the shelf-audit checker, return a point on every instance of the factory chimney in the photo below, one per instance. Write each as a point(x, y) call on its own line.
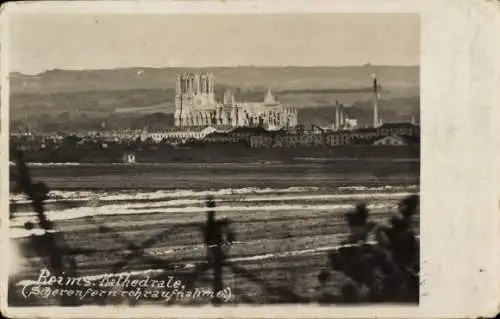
point(413, 120)
point(337, 115)
point(342, 115)
point(375, 102)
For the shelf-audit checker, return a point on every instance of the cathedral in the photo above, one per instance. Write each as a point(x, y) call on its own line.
point(195, 105)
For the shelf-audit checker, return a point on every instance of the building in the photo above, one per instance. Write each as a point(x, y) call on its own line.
point(261, 141)
point(177, 134)
point(350, 124)
point(116, 135)
point(364, 133)
point(221, 138)
point(338, 139)
point(195, 105)
point(342, 120)
point(129, 158)
point(399, 128)
point(235, 135)
point(286, 139)
point(393, 140)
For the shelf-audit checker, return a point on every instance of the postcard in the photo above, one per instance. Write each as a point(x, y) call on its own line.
point(285, 159)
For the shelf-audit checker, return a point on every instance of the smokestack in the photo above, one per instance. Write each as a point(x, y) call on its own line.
point(342, 115)
point(375, 102)
point(337, 115)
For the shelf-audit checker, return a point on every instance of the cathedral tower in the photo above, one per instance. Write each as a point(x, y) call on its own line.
point(194, 96)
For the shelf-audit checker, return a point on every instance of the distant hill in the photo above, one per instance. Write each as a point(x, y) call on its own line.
point(127, 96)
point(391, 110)
point(162, 100)
point(278, 78)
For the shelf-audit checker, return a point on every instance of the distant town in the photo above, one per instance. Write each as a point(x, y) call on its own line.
point(202, 120)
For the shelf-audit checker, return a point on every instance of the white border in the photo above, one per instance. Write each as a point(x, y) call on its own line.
point(460, 102)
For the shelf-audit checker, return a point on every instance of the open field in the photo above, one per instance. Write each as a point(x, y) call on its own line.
point(282, 252)
point(343, 157)
point(283, 229)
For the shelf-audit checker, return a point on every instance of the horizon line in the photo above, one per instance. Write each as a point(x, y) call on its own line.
point(214, 66)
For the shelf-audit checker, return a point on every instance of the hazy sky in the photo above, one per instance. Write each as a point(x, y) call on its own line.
point(40, 42)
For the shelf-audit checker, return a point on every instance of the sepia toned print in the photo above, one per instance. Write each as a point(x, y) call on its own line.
point(214, 159)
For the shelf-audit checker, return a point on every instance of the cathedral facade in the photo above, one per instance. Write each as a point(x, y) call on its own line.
point(195, 105)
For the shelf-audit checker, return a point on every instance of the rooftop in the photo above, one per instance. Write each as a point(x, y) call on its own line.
point(396, 125)
point(179, 129)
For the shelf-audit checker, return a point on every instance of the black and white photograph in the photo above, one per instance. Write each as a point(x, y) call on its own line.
point(193, 160)
point(250, 159)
